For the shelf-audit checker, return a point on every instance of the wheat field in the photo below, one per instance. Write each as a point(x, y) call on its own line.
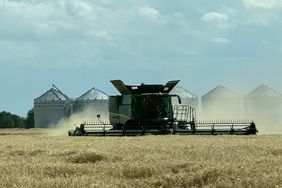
point(34, 158)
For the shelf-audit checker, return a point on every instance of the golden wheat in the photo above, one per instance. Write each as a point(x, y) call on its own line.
point(41, 160)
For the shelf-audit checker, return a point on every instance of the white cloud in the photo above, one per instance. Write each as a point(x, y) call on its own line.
point(115, 30)
point(264, 19)
point(96, 32)
point(80, 8)
point(151, 14)
point(103, 34)
point(265, 4)
point(220, 40)
point(215, 17)
point(219, 20)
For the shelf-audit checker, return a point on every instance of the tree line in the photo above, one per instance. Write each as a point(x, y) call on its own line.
point(9, 120)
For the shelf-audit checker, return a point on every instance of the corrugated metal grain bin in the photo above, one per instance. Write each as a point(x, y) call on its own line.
point(264, 104)
point(186, 96)
point(221, 103)
point(94, 99)
point(50, 107)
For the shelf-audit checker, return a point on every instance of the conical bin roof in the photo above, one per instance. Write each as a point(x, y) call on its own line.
point(93, 94)
point(219, 92)
point(182, 92)
point(264, 91)
point(51, 95)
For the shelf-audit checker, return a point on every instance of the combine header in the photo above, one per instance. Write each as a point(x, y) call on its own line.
point(149, 109)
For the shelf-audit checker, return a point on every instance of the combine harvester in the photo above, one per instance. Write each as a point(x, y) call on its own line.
point(149, 109)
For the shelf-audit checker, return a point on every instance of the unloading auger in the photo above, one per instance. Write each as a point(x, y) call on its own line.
point(148, 109)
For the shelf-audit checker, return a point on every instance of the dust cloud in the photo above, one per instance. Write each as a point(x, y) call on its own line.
point(87, 115)
point(266, 112)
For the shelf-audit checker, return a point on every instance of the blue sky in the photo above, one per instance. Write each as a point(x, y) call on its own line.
point(79, 44)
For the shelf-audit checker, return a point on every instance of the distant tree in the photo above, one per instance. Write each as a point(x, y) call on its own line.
point(29, 122)
point(18, 121)
point(6, 120)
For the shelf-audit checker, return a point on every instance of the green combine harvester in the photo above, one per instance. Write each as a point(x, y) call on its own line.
point(149, 110)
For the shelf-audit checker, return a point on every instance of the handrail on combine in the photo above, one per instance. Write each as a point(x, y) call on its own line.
point(184, 113)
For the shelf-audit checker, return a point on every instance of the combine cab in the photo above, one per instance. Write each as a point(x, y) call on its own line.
point(149, 109)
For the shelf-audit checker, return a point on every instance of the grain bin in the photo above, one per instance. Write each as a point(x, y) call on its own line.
point(186, 96)
point(94, 100)
point(265, 105)
point(221, 103)
point(50, 107)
